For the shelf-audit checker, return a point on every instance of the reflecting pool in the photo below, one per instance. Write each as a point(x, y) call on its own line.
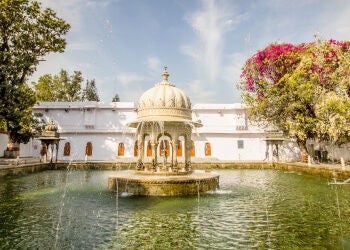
point(254, 209)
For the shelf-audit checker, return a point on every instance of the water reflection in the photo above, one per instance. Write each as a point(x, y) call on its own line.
point(254, 209)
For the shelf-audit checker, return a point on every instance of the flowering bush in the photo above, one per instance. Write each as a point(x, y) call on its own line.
point(282, 85)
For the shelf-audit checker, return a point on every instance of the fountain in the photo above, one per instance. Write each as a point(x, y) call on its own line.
point(164, 111)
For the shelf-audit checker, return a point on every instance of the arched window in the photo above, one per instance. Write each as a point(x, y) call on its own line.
point(164, 146)
point(88, 149)
point(136, 149)
point(43, 150)
point(121, 149)
point(192, 151)
point(179, 149)
point(66, 150)
point(207, 149)
point(149, 148)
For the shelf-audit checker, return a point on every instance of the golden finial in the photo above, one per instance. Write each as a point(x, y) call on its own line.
point(165, 74)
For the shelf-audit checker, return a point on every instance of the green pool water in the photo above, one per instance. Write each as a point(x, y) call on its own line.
point(253, 209)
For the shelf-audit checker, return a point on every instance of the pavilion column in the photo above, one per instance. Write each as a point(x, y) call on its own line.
point(270, 151)
point(175, 147)
point(52, 147)
point(141, 151)
point(187, 151)
point(57, 144)
point(141, 147)
point(154, 145)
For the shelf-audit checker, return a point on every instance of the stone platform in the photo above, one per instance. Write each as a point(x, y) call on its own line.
point(131, 182)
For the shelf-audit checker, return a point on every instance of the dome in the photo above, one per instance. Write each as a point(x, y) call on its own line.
point(164, 102)
point(164, 95)
point(51, 126)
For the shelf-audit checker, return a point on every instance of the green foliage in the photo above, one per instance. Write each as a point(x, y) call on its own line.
point(61, 87)
point(288, 86)
point(27, 34)
point(116, 98)
point(333, 112)
point(90, 92)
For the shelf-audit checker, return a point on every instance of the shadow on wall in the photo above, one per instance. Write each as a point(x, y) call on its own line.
point(289, 151)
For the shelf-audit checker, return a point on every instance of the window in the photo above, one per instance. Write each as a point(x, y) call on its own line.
point(240, 144)
point(207, 149)
point(136, 149)
point(66, 150)
point(192, 151)
point(179, 149)
point(88, 149)
point(149, 148)
point(121, 149)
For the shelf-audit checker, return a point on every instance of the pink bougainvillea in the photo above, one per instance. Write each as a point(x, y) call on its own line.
point(276, 60)
point(271, 64)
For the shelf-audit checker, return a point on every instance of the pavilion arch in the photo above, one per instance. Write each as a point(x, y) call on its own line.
point(43, 150)
point(164, 144)
point(177, 139)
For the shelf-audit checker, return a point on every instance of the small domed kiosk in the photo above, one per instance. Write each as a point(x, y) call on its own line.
point(164, 111)
point(164, 116)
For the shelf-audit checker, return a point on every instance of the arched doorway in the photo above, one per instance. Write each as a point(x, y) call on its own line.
point(193, 150)
point(88, 149)
point(121, 149)
point(66, 150)
point(149, 149)
point(179, 149)
point(207, 149)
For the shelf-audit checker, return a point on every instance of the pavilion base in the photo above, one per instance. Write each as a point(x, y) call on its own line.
point(129, 182)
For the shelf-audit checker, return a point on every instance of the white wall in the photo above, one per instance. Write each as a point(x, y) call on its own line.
point(3, 143)
point(105, 125)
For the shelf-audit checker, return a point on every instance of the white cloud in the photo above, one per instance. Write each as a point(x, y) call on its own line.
point(197, 92)
point(154, 64)
point(128, 79)
point(210, 25)
point(70, 11)
point(99, 3)
point(233, 68)
point(80, 46)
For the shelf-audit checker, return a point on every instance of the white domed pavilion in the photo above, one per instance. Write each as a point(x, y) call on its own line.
point(164, 110)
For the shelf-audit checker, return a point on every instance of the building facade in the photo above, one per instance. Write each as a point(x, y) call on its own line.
point(99, 132)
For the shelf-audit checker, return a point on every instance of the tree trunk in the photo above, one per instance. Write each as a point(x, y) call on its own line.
point(12, 149)
point(302, 146)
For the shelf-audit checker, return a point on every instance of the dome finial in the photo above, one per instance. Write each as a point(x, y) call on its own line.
point(165, 74)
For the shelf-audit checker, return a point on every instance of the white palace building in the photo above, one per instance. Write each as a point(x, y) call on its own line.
point(97, 131)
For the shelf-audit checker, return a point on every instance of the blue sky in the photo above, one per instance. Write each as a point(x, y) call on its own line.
point(124, 44)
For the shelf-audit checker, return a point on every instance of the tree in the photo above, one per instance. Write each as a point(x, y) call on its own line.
point(61, 87)
point(116, 98)
point(27, 34)
point(333, 112)
point(90, 92)
point(283, 84)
